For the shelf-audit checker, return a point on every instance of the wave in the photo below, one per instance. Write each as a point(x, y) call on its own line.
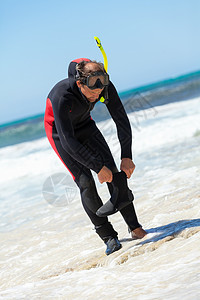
point(19, 132)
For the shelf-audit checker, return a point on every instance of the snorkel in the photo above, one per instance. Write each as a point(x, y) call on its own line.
point(102, 99)
point(103, 53)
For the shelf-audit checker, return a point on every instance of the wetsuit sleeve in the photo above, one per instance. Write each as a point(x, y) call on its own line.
point(69, 142)
point(121, 120)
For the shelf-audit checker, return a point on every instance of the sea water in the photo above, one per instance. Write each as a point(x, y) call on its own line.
point(49, 249)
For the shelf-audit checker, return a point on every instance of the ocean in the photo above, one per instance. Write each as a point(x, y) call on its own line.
point(49, 249)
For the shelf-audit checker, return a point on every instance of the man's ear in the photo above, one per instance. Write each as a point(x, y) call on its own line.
point(78, 84)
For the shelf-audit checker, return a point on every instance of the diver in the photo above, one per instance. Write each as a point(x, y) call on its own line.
point(81, 146)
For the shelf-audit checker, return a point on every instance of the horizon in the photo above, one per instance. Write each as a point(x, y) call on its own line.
point(121, 94)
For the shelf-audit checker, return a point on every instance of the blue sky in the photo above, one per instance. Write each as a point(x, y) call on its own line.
point(145, 41)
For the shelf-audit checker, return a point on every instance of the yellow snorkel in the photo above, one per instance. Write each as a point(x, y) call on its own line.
point(104, 58)
point(103, 53)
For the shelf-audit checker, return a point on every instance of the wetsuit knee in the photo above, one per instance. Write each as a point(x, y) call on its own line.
point(85, 181)
point(89, 195)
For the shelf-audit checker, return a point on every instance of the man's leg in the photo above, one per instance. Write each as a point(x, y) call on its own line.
point(91, 203)
point(96, 142)
point(128, 213)
point(89, 196)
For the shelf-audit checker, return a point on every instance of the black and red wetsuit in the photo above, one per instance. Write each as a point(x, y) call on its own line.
point(80, 145)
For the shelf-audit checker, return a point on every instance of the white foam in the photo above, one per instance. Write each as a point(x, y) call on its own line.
point(50, 252)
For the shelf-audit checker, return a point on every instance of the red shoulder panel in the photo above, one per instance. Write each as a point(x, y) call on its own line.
point(80, 59)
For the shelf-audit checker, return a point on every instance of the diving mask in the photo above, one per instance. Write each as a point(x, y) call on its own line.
point(97, 80)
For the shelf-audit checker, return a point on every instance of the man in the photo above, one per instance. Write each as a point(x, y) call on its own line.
point(80, 145)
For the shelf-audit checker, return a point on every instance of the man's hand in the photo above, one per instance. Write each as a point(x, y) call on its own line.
point(105, 175)
point(127, 166)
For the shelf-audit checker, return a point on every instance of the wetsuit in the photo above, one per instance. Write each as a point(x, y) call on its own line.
point(80, 145)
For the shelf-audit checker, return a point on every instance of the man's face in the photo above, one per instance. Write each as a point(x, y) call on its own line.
point(91, 95)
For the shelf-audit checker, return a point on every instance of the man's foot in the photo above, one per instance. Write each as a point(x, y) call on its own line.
point(138, 233)
point(113, 245)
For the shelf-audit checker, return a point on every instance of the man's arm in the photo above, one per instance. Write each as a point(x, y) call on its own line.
point(121, 120)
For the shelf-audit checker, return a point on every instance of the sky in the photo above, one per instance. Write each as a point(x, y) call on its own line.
point(145, 41)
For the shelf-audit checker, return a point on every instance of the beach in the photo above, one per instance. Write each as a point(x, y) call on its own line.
point(49, 249)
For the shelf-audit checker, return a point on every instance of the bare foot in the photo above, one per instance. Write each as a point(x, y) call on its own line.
point(138, 233)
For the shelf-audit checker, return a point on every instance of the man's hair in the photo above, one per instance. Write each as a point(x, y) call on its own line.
point(83, 72)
